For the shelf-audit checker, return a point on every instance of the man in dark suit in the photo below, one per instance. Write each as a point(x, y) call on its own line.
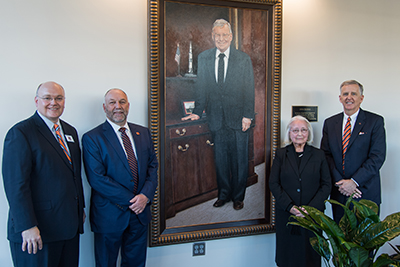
point(121, 167)
point(42, 181)
point(225, 87)
point(355, 146)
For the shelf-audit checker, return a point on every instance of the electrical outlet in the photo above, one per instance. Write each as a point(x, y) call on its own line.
point(199, 249)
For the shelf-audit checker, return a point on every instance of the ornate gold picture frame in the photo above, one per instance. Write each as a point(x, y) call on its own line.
point(179, 31)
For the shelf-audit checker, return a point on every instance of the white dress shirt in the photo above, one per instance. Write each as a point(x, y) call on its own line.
point(226, 59)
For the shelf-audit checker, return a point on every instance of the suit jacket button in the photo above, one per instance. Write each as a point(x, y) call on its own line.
point(298, 190)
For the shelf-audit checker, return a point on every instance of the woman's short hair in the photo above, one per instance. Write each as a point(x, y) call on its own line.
point(310, 138)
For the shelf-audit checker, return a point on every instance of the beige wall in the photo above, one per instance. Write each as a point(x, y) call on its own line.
point(90, 46)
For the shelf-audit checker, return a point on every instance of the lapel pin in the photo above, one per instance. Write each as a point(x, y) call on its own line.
point(137, 133)
point(69, 138)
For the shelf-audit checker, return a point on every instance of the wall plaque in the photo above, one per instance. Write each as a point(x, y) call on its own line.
point(309, 112)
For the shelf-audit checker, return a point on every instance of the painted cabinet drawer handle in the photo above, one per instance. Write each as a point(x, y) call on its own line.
point(181, 133)
point(183, 149)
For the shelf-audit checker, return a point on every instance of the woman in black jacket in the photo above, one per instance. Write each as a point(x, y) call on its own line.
point(299, 176)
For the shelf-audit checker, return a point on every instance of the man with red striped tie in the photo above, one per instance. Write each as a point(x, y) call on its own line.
point(354, 142)
point(121, 167)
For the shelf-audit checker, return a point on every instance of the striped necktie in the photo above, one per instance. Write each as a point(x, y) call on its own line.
point(61, 142)
point(346, 139)
point(132, 161)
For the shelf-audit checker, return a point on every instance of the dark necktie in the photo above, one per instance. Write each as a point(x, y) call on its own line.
point(61, 142)
point(221, 69)
point(133, 165)
point(346, 139)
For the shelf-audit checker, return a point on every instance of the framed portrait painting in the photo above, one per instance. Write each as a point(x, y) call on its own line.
point(188, 107)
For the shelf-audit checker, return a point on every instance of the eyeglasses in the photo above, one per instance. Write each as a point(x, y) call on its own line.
point(48, 99)
point(221, 36)
point(296, 131)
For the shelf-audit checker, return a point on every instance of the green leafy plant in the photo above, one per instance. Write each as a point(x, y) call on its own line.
point(396, 256)
point(357, 238)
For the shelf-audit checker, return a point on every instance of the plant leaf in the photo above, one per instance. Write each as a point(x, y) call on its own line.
point(361, 234)
point(305, 225)
point(362, 211)
point(325, 223)
point(360, 256)
point(370, 204)
point(384, 231)
point(321, 246)
point(349, 220)
point(383, 260)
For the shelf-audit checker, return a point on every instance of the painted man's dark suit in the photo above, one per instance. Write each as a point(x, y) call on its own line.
point(364, 157)
point(109, 175)
point(225, 107)
point(308, 184)
point(42, 187)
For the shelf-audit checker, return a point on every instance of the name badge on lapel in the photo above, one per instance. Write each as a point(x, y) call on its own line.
point(69, 138)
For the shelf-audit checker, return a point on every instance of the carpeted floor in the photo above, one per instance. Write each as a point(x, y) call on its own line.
point(204, 213)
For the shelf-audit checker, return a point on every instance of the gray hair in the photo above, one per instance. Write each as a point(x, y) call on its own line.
point(221, 23)
point(112, 90)
point(351, 82)
point(310, 138)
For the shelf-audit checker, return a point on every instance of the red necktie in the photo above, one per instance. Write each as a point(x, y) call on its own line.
point(61, 142)
point(133, 165)
point(346, 139)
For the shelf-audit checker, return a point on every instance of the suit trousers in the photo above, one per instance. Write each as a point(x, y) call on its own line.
point(132, 241)
point(231, 163)
point(63, 253)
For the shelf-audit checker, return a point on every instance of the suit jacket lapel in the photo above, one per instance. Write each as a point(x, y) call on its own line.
point(306, 157)
point(232, 64)
point(111, 136)
point(137, 143)
point(291, 155)
point(357, 127)
point(67, 143)
point(339, 130)
point(211, 70)
point(48, 135)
